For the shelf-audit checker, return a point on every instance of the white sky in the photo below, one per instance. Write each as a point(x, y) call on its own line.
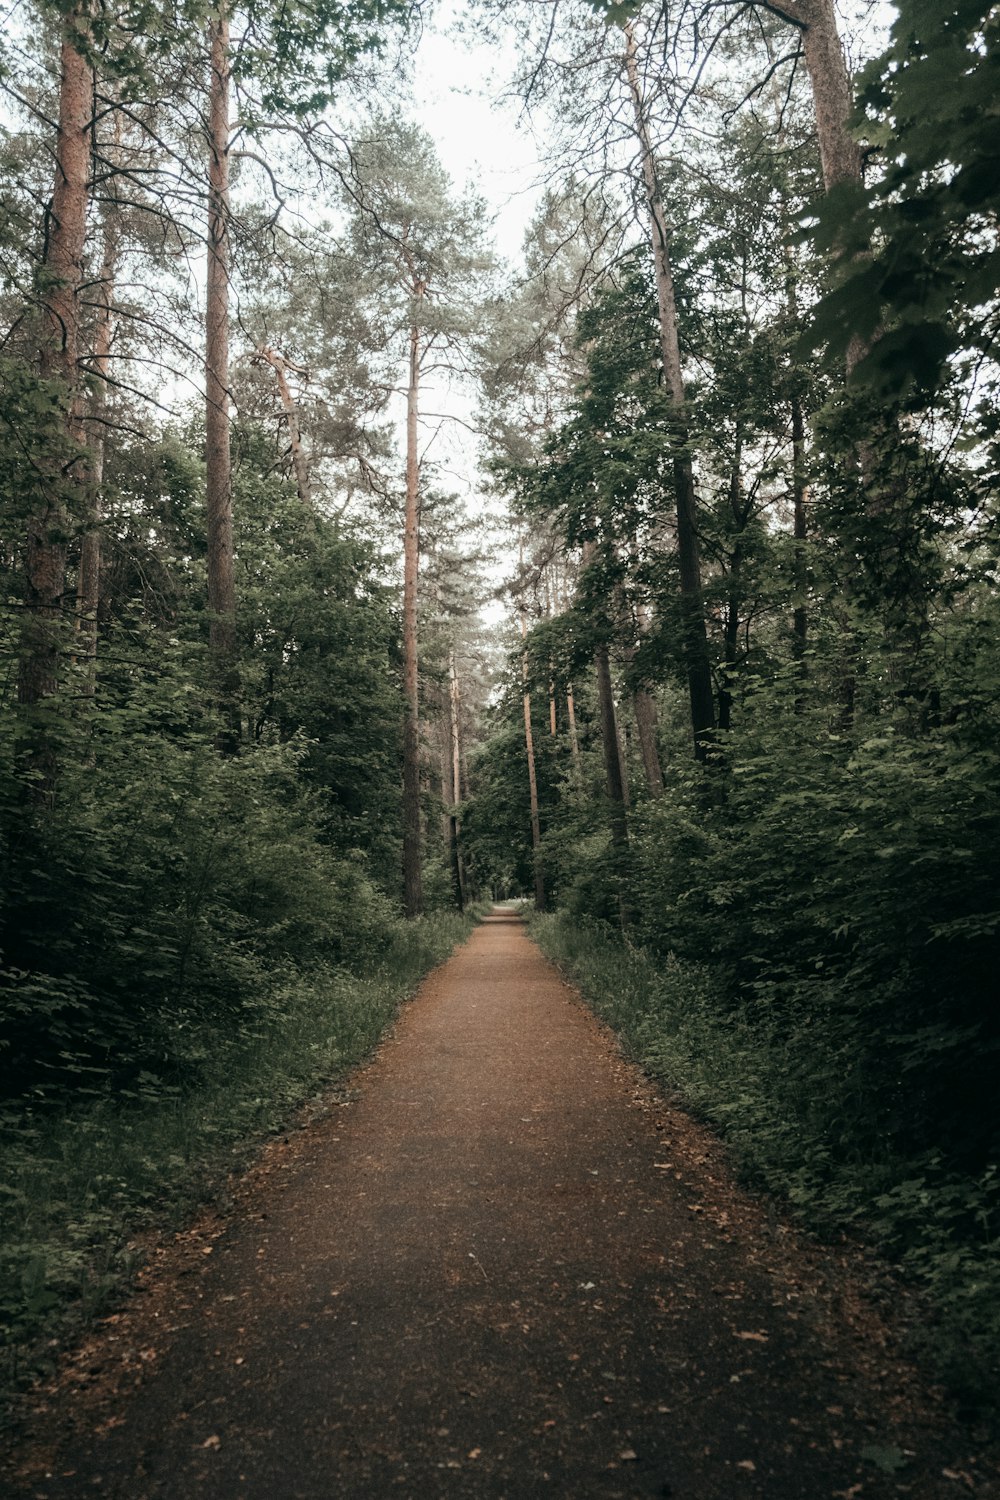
point(456, 85)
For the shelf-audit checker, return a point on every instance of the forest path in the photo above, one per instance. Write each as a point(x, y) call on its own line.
point(504, 1267)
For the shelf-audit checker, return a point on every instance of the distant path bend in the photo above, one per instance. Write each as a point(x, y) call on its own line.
point(505, 1269)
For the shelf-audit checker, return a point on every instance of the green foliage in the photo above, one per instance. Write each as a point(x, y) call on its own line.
point(78, 1183)
point(919, 267)
point(301, 52)
point(788, 1100)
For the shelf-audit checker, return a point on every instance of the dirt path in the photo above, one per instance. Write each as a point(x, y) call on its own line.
point(503, 1269)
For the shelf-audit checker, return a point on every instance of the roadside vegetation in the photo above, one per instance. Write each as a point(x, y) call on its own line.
point(787, 1091)
point(740, 461)
point(80, 1182)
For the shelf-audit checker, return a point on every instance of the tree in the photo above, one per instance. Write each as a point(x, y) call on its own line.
point(296, 82)
point(218, 457)
point(60, 278)
point(423, 249)
point(688, 552)
point(925, 294)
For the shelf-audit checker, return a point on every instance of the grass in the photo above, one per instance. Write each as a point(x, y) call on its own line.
point(78, 1185)
point(793, 1119)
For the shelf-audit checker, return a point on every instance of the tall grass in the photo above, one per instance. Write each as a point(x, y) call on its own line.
point(79, 1183)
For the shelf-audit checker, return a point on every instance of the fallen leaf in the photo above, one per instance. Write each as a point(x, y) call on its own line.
point(475, 1452)
point(628, 1455)
point(887, 1460)
point(748, 1464)
point(212, 1442)
point(755, 1338)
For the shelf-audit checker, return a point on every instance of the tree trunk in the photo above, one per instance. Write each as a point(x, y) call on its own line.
point(445, 771)
point(644, 706)
point(45, 551)
point(529, 746)
point(455, 702)
point(833, 99)
point(88, 588)
point(730, 639)
point(300, 468)
point(549, 612)
point(614, 776)
point(800, 492)
point(218, 460)
point(574, 739)
point(412, 876)
point(699, 671)
point(645, 723)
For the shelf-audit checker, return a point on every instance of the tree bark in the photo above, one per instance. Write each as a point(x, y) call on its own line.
point(734, 601)
point(800, 493)
point(300, 468)
point(88, 588)
point(455, 702)
point(645, 723)
point(614, 776)
point(412, 873)
point(574, 738)
point(644, 706)
point(529, 747)
point(833, 99)
point(218, 459)
point(66, 226)
point(699, 671)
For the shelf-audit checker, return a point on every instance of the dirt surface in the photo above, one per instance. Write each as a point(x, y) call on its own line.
point(503, 1267)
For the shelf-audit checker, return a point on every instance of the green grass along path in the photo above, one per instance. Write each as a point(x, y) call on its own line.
point(505, 1268)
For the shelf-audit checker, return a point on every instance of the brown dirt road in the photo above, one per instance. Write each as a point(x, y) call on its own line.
point(505, 1268)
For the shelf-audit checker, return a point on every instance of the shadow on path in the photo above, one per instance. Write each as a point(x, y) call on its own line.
point(496, 1272)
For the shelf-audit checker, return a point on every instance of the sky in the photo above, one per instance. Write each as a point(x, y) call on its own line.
point(457, 84)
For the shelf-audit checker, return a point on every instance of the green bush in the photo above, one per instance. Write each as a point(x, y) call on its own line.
point(79, 1181)
point(795, 1105)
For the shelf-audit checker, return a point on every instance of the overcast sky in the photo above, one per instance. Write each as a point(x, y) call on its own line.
point(457, 85)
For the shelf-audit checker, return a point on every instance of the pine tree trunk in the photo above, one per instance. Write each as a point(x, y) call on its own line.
point(218, 460)
point(299, 466)
point(529, 747)
point(833, 102)
point(800, 491)
point(730, 639)
point(645, 723)
point(644, 705)
point(88, 589)
point(614, 775)
point(574, 738)
point(699, 671)
point(455, 702)
point(905, 612)
point(412, 874)
point(46, 545)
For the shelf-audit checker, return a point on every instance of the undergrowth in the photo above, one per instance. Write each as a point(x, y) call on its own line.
point(78, 1184)
point(784, 1102)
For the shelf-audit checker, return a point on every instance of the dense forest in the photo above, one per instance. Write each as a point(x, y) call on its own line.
point(701, 660)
